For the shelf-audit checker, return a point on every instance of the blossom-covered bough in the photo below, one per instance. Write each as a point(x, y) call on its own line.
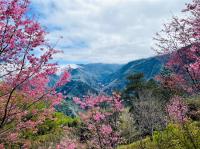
point(101, 118)
point(177, 110)
point(25, 67)
point(181, 40)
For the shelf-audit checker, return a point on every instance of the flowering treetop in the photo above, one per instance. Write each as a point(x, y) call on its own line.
point(177, 110)
point(25, 66)
point(98, 115)
point(181, 39)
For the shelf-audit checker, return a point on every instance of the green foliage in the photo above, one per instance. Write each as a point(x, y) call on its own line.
point(143, 144)
point(144, 98)
point(137, 85)
point(66, 120)
point(179, 137)
point(127, 127)
point(51, 130)
point(173, 137)
point(67, 107)
point(194, 108)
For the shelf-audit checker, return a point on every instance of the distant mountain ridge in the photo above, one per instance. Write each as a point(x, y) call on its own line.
point(151, 67)
point(94, 78)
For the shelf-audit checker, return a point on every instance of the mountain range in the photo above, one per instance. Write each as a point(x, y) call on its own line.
point(89, 79)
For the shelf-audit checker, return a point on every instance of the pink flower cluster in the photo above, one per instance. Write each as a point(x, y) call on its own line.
point(66, 144)
point(90, 102)
point(63, 79)
point(177, 110)
point(98, 116)
point(13, 137)
point(106, 129)
point(2, 146)
point(99, 111)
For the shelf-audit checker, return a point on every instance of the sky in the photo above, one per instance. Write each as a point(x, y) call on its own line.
point(104, 31)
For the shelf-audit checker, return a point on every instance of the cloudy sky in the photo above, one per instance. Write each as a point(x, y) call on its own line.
point(107, 31)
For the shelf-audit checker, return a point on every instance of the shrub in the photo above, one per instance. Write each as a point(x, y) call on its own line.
point(175, 136)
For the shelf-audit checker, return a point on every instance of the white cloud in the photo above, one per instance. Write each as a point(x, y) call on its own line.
point(109, 31)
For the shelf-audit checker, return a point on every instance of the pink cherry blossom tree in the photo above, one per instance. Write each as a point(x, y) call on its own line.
point(177, 110)
point(100, 117)
point(181, 40)
point(25, 67)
